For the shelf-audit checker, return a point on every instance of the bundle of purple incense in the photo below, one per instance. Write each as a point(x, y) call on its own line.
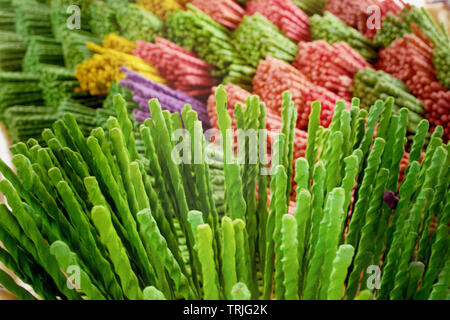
point(145, 89)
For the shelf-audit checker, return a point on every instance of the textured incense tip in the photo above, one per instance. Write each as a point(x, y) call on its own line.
point(240, 292)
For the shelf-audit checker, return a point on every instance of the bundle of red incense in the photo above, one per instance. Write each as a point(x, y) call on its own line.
point(274, 76)
point(364, 15)
point(183, 69)
point(225, 12)
point(284, 14)
point(330, 66)
point(410, 60)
